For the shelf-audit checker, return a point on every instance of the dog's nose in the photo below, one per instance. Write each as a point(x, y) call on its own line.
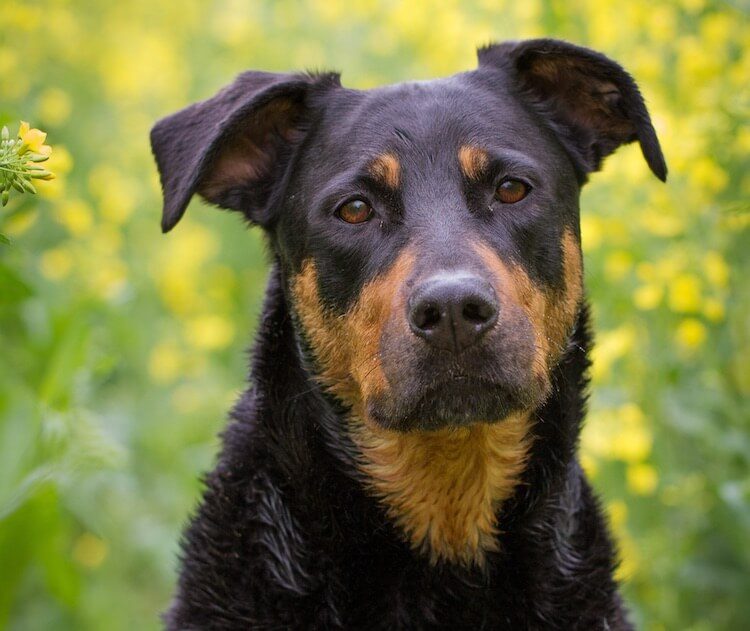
point(452, 312)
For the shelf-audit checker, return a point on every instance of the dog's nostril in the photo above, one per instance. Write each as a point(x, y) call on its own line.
point(428, 317)
point(477, 312)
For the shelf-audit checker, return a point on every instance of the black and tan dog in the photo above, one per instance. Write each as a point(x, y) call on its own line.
point(405, 456)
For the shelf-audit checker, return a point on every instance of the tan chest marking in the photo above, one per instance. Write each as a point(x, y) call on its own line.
point(444, 488)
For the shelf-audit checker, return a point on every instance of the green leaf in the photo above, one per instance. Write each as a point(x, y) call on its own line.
point(12, 288)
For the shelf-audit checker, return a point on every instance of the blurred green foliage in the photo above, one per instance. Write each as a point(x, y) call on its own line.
point(121, 349)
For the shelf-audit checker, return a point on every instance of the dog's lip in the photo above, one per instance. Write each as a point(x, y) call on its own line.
point(495, 394)
point(471, 382)
point(476, 385)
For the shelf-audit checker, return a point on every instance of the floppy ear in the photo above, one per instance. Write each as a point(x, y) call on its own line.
point(593, 105)
point(233, 149)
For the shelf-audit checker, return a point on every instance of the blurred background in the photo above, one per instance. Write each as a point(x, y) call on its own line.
point(121, 349)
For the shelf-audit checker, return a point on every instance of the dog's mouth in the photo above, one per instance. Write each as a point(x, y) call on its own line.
point(455, 402)
point(429, 389)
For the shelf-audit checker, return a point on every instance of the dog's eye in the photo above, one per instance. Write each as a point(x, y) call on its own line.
point(511, 191)
point(355, 211)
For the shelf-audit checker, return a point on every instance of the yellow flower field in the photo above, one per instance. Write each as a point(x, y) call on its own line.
point(121, 349)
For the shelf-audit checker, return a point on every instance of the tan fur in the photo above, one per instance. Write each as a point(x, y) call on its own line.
point(563, 308)
point(347, 348)
point(551, 313)
point(473, 161)
point(387, 169)
point(444, 487)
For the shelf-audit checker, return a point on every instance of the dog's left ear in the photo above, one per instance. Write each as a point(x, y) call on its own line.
point(593, 105)
point(234, 149)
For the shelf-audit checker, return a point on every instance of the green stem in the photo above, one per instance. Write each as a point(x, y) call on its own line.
point(12, 170)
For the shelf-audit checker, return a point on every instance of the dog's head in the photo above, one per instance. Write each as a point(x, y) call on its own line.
point(428, 232)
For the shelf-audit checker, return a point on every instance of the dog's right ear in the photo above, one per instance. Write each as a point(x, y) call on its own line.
point(233, 149)
point(590, 101)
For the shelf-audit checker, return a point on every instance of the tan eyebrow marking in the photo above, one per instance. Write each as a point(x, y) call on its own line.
point(387, 169)
point(473, 161)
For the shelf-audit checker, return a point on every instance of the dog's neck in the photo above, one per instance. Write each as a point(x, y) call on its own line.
point(450, 491)
point(443, 488)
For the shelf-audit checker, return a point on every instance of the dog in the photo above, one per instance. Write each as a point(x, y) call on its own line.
point(405, 456)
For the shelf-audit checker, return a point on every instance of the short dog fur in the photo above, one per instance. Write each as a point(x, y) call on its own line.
point(405, 456)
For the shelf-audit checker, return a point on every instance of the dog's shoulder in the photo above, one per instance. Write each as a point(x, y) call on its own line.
point(249, 562)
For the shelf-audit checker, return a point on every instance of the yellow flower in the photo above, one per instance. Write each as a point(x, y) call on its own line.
point(665, 223)
point(685, 293)
point(632, 444)
point(648, 296)
point(90, 551)
point(642, 478)
point(590, 465)
point(714, 310)
point(706, 173)
point(61, 163)
point(593, 231)
point(617, 265)
point(618, 515)
point(76, 216)
point(611, 346)
point(691, 333)
point(32, 140)
point(632, 440)
point(209, 332)
point(630, 557)
point(631, 414)
point(716, 268)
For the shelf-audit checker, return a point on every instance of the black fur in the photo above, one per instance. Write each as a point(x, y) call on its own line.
point(286, 536)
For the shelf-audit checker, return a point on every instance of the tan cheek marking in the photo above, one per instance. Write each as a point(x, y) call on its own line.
point(378, 300)
point(387, 169)
point(563, 306)
point(347, 347)
point(473, 161)
point(324, 332)
point(444, 488)
point(551, 313)
point(514, 287)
